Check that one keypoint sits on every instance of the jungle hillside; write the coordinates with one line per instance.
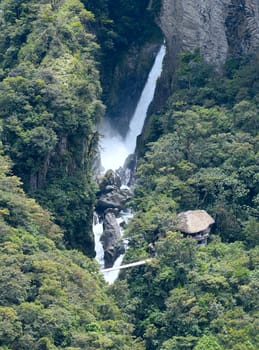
(198, 150)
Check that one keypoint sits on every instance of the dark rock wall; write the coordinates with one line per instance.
(126, 82)
(219, 28)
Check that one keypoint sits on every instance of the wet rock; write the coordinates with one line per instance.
(126, 173)
(115, 199)
(111, 239)
(111, 195)
(111, 199)
(111, 178)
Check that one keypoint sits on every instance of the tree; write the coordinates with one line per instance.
(208, 342)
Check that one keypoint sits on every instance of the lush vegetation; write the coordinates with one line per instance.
(123, 22)
(50, 298)
(207, 153)
(201, 152)
(204, 155)
(49, 96)
(193, 297)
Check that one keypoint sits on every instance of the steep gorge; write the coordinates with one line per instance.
(205, 155)
(49, 49)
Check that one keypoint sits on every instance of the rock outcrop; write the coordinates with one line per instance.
(111, 239)
(112, 198)
(217, 27)
(111, 195)
(115, 199)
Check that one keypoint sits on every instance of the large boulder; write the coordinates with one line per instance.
(111, 178)
(115, 199)
(111, 195)
(111, 239)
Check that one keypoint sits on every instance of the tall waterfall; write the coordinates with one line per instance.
(114, 149)
(138, 119)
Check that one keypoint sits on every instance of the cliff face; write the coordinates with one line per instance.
(218, 27)
(126, 81)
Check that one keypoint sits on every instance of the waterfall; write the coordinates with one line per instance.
(138, 119)
(114, 150)
(98, 230)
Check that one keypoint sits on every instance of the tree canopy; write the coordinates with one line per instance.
(203, 155)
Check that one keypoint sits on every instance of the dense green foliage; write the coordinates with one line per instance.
(123, 22)
(50, 298)
(204, 155)
(207, 153)
(49, 96)
(201, 152)
(189, 295)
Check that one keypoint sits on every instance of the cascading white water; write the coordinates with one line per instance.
(98, 230)
(109, 276)
(114, 149)
(138, 119)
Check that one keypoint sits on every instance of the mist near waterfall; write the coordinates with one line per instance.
(114, 149)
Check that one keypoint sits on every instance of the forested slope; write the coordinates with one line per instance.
(50, 298)
(199, 152)
(50, 105)
(203, 155)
